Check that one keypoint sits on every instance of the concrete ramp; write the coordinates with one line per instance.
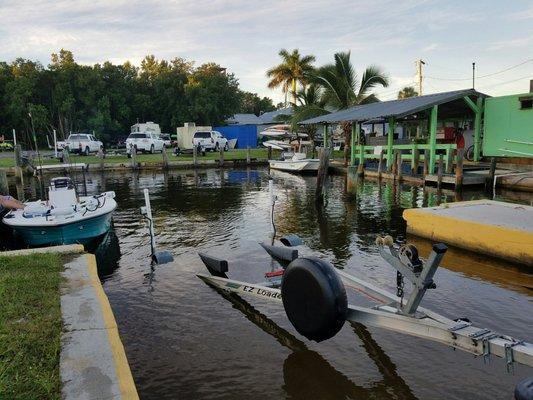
(498, 229)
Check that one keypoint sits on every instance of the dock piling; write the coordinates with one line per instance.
(490, 179)
(426, 163)
(4, 188)
(449, 161)
(269, 157)
(399, 166)
(248, 158)
(323, 156)
(394, 164)
(165, 157)
(221, 156)
(440, 169)
(459, 170)
(416, 161)
(380, 165)
(195, 156)
(134, 158)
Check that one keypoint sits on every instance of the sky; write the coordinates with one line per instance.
(245, 36)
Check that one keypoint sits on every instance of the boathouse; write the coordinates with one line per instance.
(415, 127)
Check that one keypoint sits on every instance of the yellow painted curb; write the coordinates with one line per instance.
(64, 249)
(122, 367)
(497, 241)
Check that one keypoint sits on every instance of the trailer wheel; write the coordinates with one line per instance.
(314, 298)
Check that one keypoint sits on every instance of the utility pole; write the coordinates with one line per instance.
(473, 75)
(419, 64)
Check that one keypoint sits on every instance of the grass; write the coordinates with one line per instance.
(260, 153)
(30, 327)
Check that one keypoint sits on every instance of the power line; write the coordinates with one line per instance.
(482, 76)
(506, 82)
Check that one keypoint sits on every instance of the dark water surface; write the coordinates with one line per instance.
(185, 340)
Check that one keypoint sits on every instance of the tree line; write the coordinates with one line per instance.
(108, 98)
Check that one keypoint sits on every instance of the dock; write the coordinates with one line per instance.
(497, 229)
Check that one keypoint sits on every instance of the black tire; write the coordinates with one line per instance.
(217, 147)
(152, 149)
(314, 298)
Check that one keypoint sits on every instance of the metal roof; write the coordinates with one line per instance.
(244, 119)
(270, 117)
(393, 108)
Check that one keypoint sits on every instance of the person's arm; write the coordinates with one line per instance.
(11, 203)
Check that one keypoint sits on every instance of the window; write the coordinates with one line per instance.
(202, 135)
(137, 136)
(526, 103)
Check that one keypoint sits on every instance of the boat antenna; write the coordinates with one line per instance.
(43, 194)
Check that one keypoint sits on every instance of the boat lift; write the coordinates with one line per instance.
(313, 294)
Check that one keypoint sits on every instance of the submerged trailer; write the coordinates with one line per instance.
(313, 294)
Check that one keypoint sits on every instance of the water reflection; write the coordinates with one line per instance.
(308, 375)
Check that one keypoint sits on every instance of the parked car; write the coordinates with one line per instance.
(165, 137)
(144, 142)
(83, 143)
(210, 140)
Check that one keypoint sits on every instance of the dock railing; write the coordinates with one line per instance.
(415, 153)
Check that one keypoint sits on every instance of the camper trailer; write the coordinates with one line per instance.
(185, 135)
(146, 127)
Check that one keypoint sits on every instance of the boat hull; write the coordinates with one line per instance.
(299, 166)
(76, 232)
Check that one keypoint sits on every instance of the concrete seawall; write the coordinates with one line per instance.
(93, 362)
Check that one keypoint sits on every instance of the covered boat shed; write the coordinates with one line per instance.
(447, 106)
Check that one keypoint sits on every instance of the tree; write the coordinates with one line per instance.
(293, 69)
(343, 90)
(406, 92)
(251, 103)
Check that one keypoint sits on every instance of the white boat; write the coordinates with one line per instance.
(65, 218)
(297, 163)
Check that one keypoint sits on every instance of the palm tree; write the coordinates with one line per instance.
(343, 90)
(293, 69)
(406, 92)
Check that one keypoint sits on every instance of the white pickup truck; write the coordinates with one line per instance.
(82, 143)
(210, 140)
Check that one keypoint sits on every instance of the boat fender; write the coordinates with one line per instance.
(280, 253)
(162, 257)
(215, 266)
(314, 298)
(291, 240)
(524, 390)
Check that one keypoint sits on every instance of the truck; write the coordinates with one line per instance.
(185, 136)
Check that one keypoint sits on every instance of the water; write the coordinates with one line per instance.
(185, 340)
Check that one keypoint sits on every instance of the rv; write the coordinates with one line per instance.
(146, 127)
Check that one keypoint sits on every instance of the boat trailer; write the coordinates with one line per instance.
(313, 294)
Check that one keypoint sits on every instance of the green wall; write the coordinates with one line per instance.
(506, 125)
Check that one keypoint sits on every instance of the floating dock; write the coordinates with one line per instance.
(498, 229)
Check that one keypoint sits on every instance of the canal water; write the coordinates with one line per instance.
(185, 340)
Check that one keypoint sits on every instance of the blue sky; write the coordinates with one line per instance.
(245, 36)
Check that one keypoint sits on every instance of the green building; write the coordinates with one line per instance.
(508, 126)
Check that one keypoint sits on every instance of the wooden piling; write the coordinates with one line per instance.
(165, 158)
(133, 158)
(489, 182)
(459, 169)
(416, 161)
(394, 164)
(426, 163)
(248, 158)
(4, 187)
(449, 161)
(380, 165)
(351, 179)
(18, 161)
(440, 170)
(221, 156)
(399, 166)
(195, 156)
(269, 153)
(323, 156)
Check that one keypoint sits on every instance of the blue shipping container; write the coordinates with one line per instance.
(246, 135)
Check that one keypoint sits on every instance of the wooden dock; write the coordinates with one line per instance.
(498, 229)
